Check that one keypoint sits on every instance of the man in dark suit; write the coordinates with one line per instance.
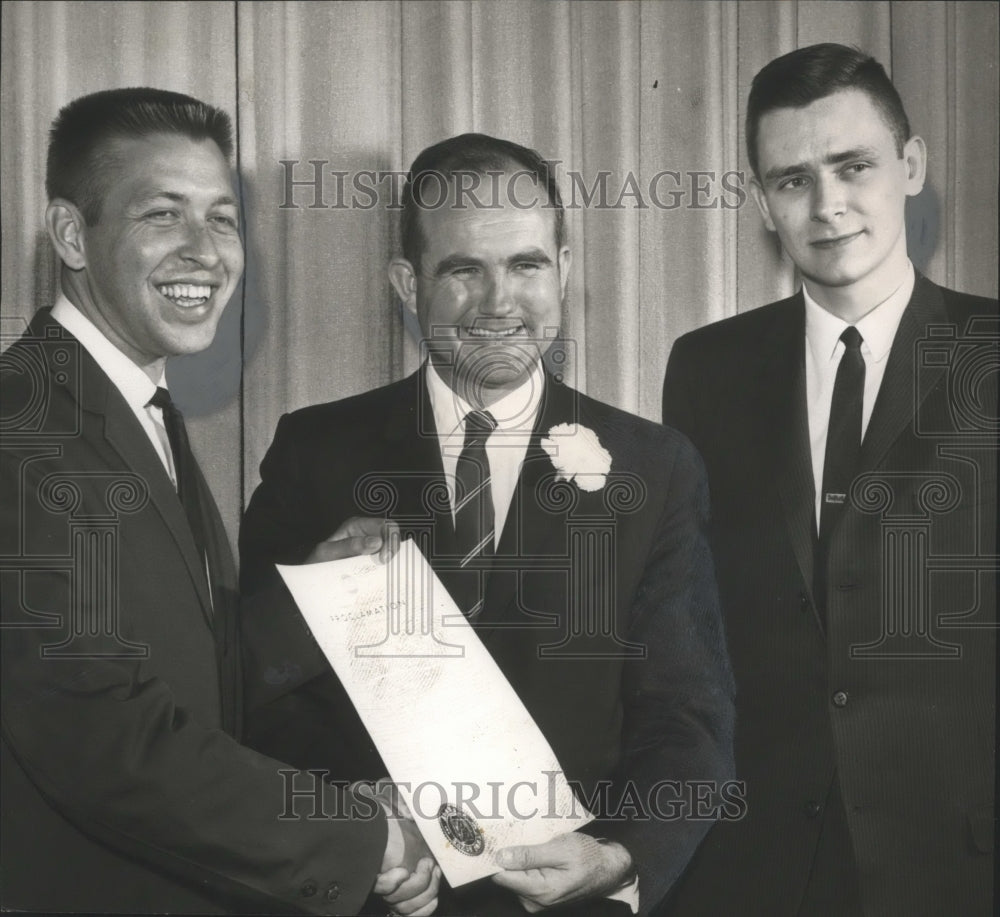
(124, 787)
(850, 437)
(570, 533)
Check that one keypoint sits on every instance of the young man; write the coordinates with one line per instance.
(125, 789)
(849, 435)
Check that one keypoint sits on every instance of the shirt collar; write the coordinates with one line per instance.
(877, 328)
(515, 412)
(136, 387)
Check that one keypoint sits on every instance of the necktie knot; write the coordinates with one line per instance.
(478, 426)
(161, 399)
(852, 338)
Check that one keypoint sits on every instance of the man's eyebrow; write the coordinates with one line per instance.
(455, 260)
(778, 172)
(531, 254)
(222, 200)
(833, 159)
(860, 152)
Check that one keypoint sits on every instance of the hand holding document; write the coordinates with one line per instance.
(470, 762)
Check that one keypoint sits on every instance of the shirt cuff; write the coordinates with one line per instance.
(629, 893)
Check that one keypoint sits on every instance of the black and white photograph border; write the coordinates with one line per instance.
(639, 105)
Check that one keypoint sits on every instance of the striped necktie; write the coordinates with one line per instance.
(474, 521)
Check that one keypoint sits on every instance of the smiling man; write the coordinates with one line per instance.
(571, 533)
(850, 437)
(125, 789)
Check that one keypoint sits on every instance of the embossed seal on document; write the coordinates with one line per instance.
(461, 830)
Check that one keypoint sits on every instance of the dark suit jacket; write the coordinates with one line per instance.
(124, 789)
(898, 693)
(634, 553)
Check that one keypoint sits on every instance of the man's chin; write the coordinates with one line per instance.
(191, 340)
(835, 278)
(486, 373)
(485, 388)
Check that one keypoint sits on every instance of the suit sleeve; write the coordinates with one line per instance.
(279, 653)
(678, 398)
(678, 702)
(279, 525)
(105, 742)
(295, 706)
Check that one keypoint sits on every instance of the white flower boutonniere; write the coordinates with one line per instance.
(578, 455)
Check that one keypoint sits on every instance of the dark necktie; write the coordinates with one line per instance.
(474, 522)
(843, 446)
(184, 466)
(843, 434)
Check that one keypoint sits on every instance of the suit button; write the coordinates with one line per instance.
(308, 889)
(332, 892)
(840, 699)
(812, 808)
(803, 602)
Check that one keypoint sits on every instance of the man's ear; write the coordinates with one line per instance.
(66, 228)
(404, 280)
(565, 260)
(760, 199)
(915, 160)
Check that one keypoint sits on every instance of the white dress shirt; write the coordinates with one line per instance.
(823, 352)
(136, 387)
(507, 445)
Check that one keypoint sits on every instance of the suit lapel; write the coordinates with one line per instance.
(893, 411)
(788, 430)
(896, 402)
(532, 531)
(122, 432)
(414, 471)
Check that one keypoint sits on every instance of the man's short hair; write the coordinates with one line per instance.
(476, 154)
(801, 77)
(80, 159)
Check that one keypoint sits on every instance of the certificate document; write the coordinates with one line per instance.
(469, 761)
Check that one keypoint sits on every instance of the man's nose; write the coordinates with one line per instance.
(499, 298)
(199, 244)
(828, 199)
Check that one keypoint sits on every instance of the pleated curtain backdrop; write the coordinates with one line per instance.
(640, 102)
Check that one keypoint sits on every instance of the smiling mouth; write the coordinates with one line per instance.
(483, 333)
(837, 241)
(186, 295)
